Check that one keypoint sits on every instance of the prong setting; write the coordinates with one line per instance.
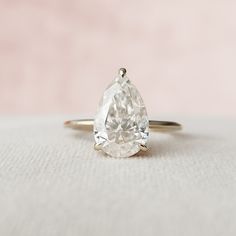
(122, 72)
(97, 147)
(143, 148)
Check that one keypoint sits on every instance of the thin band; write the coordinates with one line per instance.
(160, 126)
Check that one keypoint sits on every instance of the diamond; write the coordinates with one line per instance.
(121, 124)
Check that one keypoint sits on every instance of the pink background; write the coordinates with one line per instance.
(58, 56)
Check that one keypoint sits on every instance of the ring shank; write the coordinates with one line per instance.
(159, 126)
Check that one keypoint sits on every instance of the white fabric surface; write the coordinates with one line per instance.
(52, 182)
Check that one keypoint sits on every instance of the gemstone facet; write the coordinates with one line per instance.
(121, 124)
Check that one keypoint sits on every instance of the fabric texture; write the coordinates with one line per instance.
(52, 182)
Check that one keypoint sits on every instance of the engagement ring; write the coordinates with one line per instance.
(121, 126)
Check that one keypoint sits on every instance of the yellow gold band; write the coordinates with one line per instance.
(159, 126)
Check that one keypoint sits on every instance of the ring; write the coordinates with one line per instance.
(121, 126)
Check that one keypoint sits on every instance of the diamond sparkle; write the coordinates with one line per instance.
(121, 124)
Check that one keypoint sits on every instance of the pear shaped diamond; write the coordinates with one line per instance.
(121, 124)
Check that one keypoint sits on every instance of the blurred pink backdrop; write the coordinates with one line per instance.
(58, 56)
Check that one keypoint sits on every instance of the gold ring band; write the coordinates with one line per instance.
(155, 125)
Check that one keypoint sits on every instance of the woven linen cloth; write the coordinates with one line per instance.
(52, 182)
